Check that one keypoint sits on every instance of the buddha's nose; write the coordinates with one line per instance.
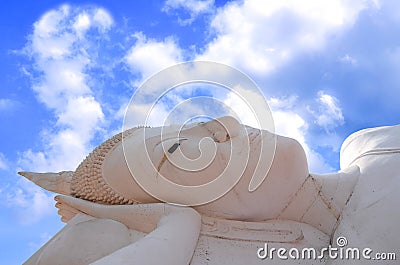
(224, 128)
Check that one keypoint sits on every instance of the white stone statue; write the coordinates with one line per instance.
(112, 220)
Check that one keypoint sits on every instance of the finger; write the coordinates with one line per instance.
(66, 215)
(74, 202)
(61, 205)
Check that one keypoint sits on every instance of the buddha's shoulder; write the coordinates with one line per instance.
(371, 141)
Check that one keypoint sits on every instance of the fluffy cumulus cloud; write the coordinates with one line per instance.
(287, 122)
(291, 124)
(61, 49)
(330, 114)
(249, 107)
(28, 202)
(260, 36)
(148, 56)
(193, 7)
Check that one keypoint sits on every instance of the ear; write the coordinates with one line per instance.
(56, 182)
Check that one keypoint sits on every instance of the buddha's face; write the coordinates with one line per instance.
(190, 158)
(187, 157)
(195, 154)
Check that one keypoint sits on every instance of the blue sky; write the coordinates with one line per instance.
(327, 69)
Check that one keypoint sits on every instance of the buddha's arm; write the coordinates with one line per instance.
(173, 230)
(172, 242)
(142, 217)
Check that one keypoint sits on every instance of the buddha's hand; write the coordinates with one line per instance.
(66, 209)
(142, 217)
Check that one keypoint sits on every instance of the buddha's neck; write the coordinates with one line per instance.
(321, 199)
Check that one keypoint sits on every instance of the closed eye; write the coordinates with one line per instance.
(173, 148)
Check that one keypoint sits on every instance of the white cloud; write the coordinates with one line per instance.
(259, 36)
(286, 103)
(29, 202)
(287, 123)
(330, 114)
(7, 104)
(149, 56)
(58, 31)
(193, 7)
(81, 114)
(145, 114)
(50, 21)
(177, 106)
(82, 23)
(290, 124)
(3, 162)
(348, 59)
(61, 49)
(249, 107)
(102, 19)
(255, 35)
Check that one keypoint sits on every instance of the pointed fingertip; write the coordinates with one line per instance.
(25, 174)
(21, 173)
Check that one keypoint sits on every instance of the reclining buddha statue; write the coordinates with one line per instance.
(113, 218)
